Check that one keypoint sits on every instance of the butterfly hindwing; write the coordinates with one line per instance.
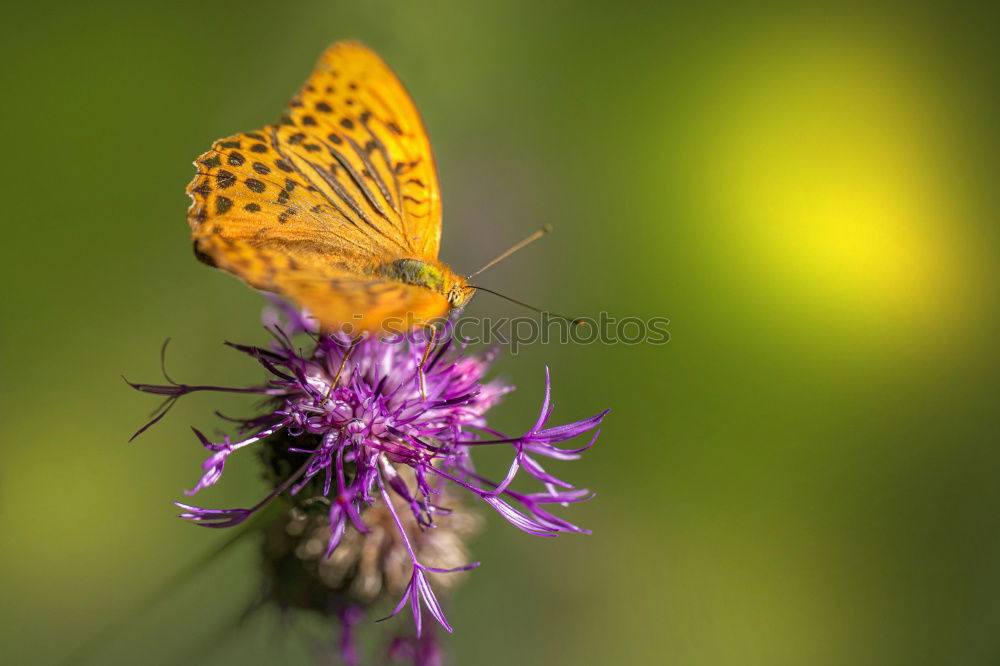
(334, 294)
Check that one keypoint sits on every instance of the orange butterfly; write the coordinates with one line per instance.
(336, 206)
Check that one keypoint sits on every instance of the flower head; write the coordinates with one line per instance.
(351, 434)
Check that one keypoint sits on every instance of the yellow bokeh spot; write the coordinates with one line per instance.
(827, 166)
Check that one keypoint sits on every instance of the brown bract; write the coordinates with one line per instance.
(364, 568)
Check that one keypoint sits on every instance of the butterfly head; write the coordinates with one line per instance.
(459, 292)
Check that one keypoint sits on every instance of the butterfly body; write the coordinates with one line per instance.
(434, 276)
(336, 206)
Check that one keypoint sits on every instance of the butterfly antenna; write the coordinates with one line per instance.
(576, 321)
(527, 241)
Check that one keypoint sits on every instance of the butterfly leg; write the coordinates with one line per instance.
(343, 363)
(423, 362)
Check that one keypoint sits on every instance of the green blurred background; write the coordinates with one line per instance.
(805, 474)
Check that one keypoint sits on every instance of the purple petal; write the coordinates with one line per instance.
(424, 588)
(214, 517)
(518, 519)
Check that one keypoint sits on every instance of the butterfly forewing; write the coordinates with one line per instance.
(355, 134)
(312, 206)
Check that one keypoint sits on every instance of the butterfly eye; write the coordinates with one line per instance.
(457, 296)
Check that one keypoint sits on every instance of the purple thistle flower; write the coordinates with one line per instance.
(370, 438)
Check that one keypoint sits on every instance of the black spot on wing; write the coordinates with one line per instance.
(224, 178)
